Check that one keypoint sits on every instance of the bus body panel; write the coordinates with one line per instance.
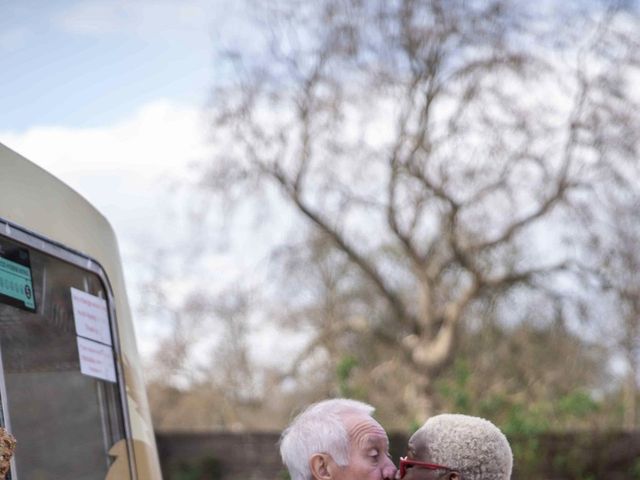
(36, 201)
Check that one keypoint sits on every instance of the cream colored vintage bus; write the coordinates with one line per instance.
(70, 376)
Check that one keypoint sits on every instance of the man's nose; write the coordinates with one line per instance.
(389, 470)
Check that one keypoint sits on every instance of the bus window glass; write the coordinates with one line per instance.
(65, 421)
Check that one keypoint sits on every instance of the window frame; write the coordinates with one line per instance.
(61, 252)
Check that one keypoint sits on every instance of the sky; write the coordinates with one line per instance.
(93, 63)
(110, 97)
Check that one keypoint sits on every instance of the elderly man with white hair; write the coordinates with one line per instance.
(336, 439)
(457, 447)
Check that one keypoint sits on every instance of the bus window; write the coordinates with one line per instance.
(65, 421)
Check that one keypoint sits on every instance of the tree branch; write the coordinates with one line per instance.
(507, 281)
(365, 266)
(515, 227)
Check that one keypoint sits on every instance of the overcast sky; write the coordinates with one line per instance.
(109, 96)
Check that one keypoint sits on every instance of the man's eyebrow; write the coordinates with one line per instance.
(375, 440)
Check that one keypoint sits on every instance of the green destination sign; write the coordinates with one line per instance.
(15, 283)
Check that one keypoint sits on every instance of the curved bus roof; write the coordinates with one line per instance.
(36, 202)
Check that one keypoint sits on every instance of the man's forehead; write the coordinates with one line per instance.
(418, 442)
(419, 436)
(365, 430)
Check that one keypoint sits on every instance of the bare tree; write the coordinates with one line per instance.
(615, 266)
(612, 257)
(436, 146)
(625, 278)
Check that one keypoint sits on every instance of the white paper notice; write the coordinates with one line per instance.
(96, 360)
(91, 317)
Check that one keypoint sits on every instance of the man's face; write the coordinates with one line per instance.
(418, 449)
(369, 451)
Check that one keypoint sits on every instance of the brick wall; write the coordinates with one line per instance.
(247, 456)
(255, 456)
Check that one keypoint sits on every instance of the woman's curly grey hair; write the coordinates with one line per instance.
(472, 445)
(319, 429)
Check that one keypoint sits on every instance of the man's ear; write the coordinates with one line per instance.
(319, 464)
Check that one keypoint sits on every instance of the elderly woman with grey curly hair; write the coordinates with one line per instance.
(457, 447)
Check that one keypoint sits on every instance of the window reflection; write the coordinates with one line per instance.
(65, 422)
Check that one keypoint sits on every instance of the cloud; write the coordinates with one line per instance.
(160, 136)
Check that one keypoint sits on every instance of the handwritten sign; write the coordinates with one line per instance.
(91, 317)
(96, 360)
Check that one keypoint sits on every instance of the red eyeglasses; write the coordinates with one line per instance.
(406, 463)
